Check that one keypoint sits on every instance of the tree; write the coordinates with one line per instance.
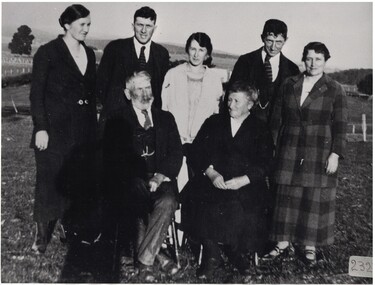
(22, 40)
(365, 85)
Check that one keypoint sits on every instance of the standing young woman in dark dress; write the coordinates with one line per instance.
(64, 115)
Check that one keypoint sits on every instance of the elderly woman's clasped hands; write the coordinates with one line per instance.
(218, 180)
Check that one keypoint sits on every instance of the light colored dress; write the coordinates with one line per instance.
(190, 99)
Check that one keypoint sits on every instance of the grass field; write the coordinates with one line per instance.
(20, 95)
(90, 264)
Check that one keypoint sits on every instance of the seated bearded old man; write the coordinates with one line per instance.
(142, 147)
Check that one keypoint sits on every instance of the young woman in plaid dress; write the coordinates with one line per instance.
(309, 127)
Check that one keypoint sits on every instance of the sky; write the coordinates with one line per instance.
(345, 27)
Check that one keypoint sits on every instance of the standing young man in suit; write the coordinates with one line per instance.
(266, 68)
(124, 56)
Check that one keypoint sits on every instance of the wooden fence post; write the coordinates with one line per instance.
(14, 104)
(364, 127)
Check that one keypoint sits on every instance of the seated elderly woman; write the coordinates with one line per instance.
(231, 155)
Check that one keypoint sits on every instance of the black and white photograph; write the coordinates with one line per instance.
(187, 142)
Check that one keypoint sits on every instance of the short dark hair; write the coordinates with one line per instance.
(145, 12)
(72, 13)
(204, 41)
(318, 47)
(276, 27)
(249, 90)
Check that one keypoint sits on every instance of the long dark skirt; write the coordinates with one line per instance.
(304, 215)
(235, 218)
(51, 199)
(65, 188)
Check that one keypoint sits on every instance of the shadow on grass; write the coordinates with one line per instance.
(105, 261)
(90, 264)
(9, 111)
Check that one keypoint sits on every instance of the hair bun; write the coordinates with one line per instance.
(61, 23)
(72, 13)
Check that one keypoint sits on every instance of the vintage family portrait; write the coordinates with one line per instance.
(187, 142)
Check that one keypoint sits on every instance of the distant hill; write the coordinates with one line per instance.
(350, 76)
(177, 52)
(221, 59)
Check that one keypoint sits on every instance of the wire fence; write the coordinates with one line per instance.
(13, 65)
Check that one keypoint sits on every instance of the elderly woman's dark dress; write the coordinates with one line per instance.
(232, 217)
(63, 104)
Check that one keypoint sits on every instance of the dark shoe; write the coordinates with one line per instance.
(280, 252)
(207, 269)
(310, 256)
(41, 238)
(243, 265)
(146, 273)
(167, 264)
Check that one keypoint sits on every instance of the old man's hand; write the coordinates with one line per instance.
(155, 181)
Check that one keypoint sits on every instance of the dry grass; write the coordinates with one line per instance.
(84, 264)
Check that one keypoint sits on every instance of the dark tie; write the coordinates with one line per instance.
(147, 124)
(268, 68)
(142, 58)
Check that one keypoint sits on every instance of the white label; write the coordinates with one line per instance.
(360, 266)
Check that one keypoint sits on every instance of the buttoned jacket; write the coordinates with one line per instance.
(306, 135)
(62, 98)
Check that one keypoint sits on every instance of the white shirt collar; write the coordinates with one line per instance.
(141, 117)
(275, 58)
(236, 124)
(138, 47)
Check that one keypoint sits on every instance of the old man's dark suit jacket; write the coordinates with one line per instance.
(118, 62)
(120, 154)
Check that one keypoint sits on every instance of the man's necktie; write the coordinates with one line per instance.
(268, 68)
(142, 58)
(147, 124)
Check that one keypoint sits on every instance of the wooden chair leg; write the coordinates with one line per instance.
(175, 244)
(256, 259)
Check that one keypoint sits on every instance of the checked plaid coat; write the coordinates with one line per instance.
(306, 135)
